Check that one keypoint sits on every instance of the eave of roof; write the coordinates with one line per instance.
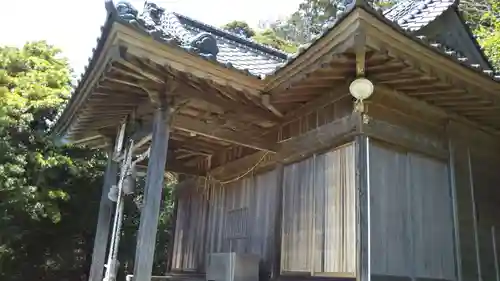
(66, 114)
(113, 16)
(436, 46)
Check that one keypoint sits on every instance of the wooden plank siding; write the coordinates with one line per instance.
(486, 180)
(319, 218)
(411, 215)
(237, 217)
(477, 197)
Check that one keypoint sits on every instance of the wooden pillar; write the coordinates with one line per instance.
(453, 194)
(474, 215)
(103, 222)
(363, 207)
(152, 196)
(278, 224)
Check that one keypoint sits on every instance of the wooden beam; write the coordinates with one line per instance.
(360, 49)
(198, 127)
(148, 227)
(295, 148)
(429, 109)
(103, 222)
(192, 125)
(177, 168)
(403, 137)
(383, 36)
(144, 46)
(210, 95)
(336, 41)
(338, 92)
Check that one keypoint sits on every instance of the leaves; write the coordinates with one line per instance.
(268, 37)
(313, 17)
(49, 195)
(488, 32)
(37, 179)
(240, 28)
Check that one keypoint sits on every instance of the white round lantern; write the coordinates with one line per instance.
(361, 88)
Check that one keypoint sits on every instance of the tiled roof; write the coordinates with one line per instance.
(415, 14)
(253, 58)
(210, 42)
(242, 53)
(436, 46)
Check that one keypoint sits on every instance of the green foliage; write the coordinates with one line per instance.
(313, 17)
(41, 184)
(49, 195)
(33, 82)
(488, 32)
(269, 37)
(240, 28)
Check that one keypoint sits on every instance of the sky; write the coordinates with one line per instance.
(74, 26)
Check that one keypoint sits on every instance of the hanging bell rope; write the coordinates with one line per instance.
(112, 264)
(125, 186)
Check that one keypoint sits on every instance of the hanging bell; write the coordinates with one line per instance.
(113, 193)
(129, 183)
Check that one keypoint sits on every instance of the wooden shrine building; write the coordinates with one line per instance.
(277, 159)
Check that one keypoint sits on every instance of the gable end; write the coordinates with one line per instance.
(451, 30)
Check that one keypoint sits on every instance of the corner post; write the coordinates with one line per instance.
(454, 205)
(103, 222)
(362, 143)
(278, 224)
(152, 196)
(362, 162)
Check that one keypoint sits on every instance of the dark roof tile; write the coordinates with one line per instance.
(253, 58)
(415, 14)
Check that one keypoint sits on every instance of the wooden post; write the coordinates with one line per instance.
(454, 202)
(152, 196)
(363, 207)
(103, 222)
(278, 223)
(474, 215)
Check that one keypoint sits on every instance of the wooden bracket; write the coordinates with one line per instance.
(360, 49)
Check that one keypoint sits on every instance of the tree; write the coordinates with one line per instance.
(474, 12)
(268, 37)
(240, 28)
(313, 17)
(43, 188)
(49, 195)
(488, 32)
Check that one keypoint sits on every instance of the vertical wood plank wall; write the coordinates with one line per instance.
(191, 225)
(478, 199)
(411, 216)
(319, 214)
(237, 217)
